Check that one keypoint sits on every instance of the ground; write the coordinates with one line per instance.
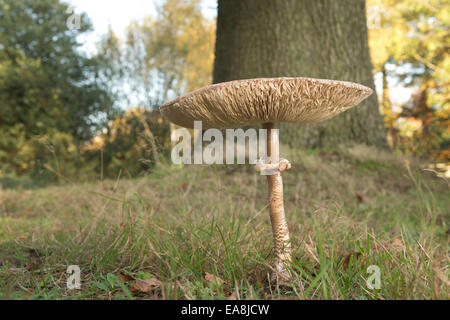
(203, 232)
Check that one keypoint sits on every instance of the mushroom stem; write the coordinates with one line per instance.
(277, 216)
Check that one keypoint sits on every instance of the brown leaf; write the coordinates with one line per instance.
(217, 282)
(397, 244)
(122, 277)
(359, 197)
(355, 255)
(213, 279)
(146, 285)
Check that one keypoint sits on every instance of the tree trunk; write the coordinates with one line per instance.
(302, 38)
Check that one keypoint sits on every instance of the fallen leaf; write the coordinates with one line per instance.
(146, 285)
(122, 277)
(213, 279)
(359, 197)
(397, 244)
(356, 255)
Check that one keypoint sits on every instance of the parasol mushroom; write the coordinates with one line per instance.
(267, 101)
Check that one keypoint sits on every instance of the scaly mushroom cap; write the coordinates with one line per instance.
(254, 101)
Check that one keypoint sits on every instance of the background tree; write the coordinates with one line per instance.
(162, 56)
(135, 142)
(111, 78)
(172, 53)
(47, 87)
(409, 45)
(320, 39)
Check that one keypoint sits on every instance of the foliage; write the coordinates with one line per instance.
(162, 56)
(47, 87)
(132, 144)
(62, 113)
(172, 53)
(409, 45)
(56, 104)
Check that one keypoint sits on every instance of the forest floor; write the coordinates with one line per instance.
(203, 232)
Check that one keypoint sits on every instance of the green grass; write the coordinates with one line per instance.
(346, 210)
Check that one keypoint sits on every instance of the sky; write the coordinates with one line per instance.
(119, 13)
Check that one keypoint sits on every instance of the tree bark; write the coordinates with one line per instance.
(302, 38)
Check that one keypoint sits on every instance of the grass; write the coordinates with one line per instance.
(203, 232)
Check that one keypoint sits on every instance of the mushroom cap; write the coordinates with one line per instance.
(239, 103)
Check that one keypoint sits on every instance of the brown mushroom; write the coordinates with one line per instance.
(267, 101)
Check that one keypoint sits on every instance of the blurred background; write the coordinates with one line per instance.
(81, 82)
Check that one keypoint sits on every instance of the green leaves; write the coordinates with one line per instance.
(412, 39)
(172, 53)
(110, 283)
(47, 87)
